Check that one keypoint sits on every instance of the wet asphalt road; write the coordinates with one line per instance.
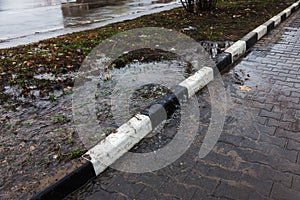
(23, 18)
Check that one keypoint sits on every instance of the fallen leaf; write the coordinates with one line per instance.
(245, 88)
(67, 88)
(107, 77)
(114, 131)
(32, 148)
(28, 63)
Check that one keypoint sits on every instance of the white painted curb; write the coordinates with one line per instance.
(107, 151)
(261, 31)
(197, 81)
(237, 49)
(276, 19)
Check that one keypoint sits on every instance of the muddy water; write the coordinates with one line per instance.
(33, 18)
(37, 133)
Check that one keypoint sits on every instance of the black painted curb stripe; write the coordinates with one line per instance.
(86, 172)
(68, 184)
(270, 24)
(251, 38)
(223, 61)
(168, 103)
(283, 17)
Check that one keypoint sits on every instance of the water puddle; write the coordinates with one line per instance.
(53, 77)
(123, 91)
(12, 90)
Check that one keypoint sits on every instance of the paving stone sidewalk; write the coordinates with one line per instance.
(258, 153)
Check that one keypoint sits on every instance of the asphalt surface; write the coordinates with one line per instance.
(27, 21)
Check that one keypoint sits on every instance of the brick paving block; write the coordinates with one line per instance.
(293, 145)
(296, 183)
(274, 57)
(297, 85)
(282, 124)
(122, 186)
(267, 173)
(296, 55)
(274, 115)
(254, 156)
(273, 123)
(293, 70)
(280, 78)
(176, 172)
(148, 193)
(289, 118)
(293, 61)
(279, 192)
(148, 179)
(288, 134)
(271, 150)
(260, 127)
(268, 61)
(219, 158)
(290, 99)
(287, 75)
(271, 73)
(284, 109)
(284, 83)
(282, 64)
(232, 139)
(198, 181)
(241, 132)
(262, 186)
(284, 90)
(278, 52)
(265, 106)
(236, 189)
(119, 197)
(261, 120)
(291, 105)
(270, 139)
(187, 162)
(202, 195)
(295, 94)
(297, 115)
(179, 190)
(204, 168)
(101, 194)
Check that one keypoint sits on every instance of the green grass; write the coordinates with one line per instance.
(58, 119)
(76, 153)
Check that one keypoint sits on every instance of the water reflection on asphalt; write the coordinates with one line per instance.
(19, 18)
